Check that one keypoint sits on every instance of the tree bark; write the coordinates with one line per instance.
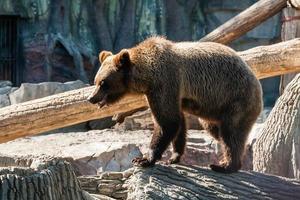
(277, 149)
(70, 108)
(57, 111)
(189, 182)
(245, 21)
(274, 60)
(52, 181)
(290, 29)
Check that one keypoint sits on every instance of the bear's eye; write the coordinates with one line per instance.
(104, 85)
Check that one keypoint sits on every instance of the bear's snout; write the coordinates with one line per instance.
(92, 99)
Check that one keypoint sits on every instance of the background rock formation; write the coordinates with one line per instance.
(61, 39)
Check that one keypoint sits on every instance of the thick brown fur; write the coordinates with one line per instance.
(202, 78)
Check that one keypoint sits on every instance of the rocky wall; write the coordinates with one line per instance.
(61, 38)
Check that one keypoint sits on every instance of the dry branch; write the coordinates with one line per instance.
(245, 21)
(71, 107)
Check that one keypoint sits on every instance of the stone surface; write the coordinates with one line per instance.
(139, 121)
(30, 91)
(100, 124)
(4, 100)
(93, 152)
(5, 83)
(85, 32)
(108, 184)
(5, 90)
(143, 120)
(89, 152)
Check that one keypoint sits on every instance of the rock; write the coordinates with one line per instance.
(264, 115)
(139, 121)
(89, 152)
(94, 152)
(5, 83)
(143, 121)
(113, 165)
(100, 124)
(30, 91)
(5, 90)
(108, 184)
(4, 100)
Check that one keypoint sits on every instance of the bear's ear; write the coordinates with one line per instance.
(103, 55)
(122, 59)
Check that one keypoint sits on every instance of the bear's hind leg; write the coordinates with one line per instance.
(179, 142)
(212, 128)
(234, 141)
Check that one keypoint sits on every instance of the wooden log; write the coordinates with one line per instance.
(193, 182)
(189, 182)
(57, 111)
(290, 30)
(274, 60)
(277, 149)
(70, 108)
(245, 21)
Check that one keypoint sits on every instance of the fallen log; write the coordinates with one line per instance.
(245, 21)
(190, 182)
(274, 60)
(71, 107)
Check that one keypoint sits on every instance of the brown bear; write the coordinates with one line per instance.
(205, 79)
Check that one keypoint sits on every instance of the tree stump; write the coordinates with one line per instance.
(55, 180)
(277, 149)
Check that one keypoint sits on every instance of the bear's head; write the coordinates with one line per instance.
(111, 78)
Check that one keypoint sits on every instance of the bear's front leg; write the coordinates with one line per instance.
(167, 120)
(161, 138)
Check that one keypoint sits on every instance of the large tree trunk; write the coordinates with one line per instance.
(52, 181)
(245, 21)
(277, 149)
(70, 108)
(290, 29)
(190, 182)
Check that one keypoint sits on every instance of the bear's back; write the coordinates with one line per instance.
(212, 68)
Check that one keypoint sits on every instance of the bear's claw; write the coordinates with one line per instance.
(223, 169)
(142, 162)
